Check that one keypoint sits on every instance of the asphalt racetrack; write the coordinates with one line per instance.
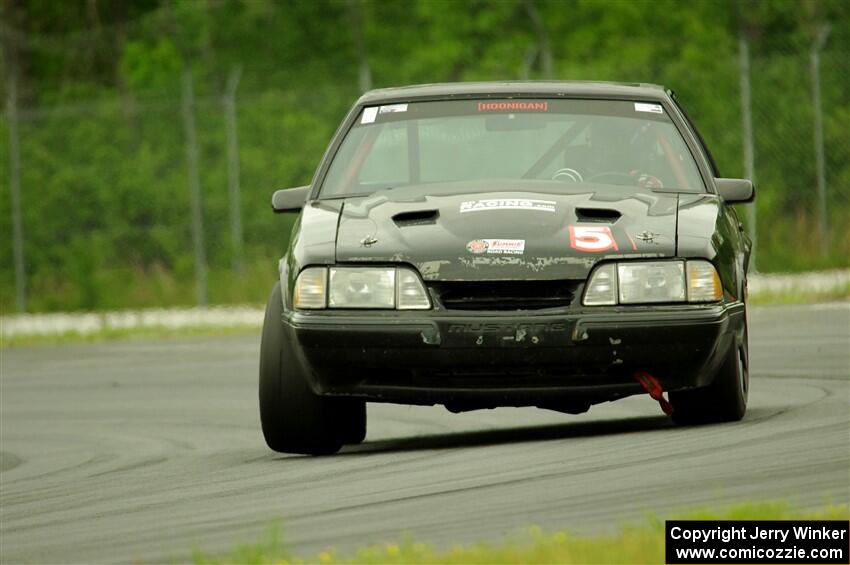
(144, 451)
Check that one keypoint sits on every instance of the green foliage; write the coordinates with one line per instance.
(103, 152)
(151, 64)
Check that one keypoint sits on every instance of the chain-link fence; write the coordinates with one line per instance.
(162, 199)
(801, 117)
(157, 201)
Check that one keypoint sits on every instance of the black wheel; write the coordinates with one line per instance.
(294, 419)
(725, 399)
(354, 431)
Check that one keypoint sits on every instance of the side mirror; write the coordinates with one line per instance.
(289, 199)
(736, 191)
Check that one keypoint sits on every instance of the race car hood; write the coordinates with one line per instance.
(508, 232)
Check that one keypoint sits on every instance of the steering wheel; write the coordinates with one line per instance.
(568, 174)
(613, 175)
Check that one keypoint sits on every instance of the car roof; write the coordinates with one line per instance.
(502, 89)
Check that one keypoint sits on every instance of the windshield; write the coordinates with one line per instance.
(589, 143)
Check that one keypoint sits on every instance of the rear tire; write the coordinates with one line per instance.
(725, 399)
(293, 418)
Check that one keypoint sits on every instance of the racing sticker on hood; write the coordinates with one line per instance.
(592, 239)
(496, 246)
(507, 204)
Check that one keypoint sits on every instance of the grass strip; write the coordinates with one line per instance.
(801, 296)
(642, 542)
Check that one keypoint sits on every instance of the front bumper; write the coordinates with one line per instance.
(510, 359)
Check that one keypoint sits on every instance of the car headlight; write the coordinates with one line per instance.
(360, 287)
(356, 287)
(658, 281)
(647, 282)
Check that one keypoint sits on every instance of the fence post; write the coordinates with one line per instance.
(814, 66)
(233, 168)
(187, 109)
(544, 47)
(355, 14)
(15, 186)
(747, 119)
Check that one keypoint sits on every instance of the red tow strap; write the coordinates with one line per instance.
(651, 385)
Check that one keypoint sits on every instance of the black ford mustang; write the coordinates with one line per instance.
(475, 245)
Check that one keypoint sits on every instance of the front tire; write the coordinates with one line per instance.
(725, 399)
(354, 431)
(293, 418)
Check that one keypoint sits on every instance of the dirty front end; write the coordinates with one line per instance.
(564, 359)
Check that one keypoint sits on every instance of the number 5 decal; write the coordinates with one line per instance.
(592, 238)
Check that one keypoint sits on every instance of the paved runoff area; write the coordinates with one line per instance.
(145, 450)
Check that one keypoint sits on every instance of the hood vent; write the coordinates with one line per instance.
(416, 217)
(605, 215)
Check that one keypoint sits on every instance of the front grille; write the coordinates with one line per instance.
(505, 295)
